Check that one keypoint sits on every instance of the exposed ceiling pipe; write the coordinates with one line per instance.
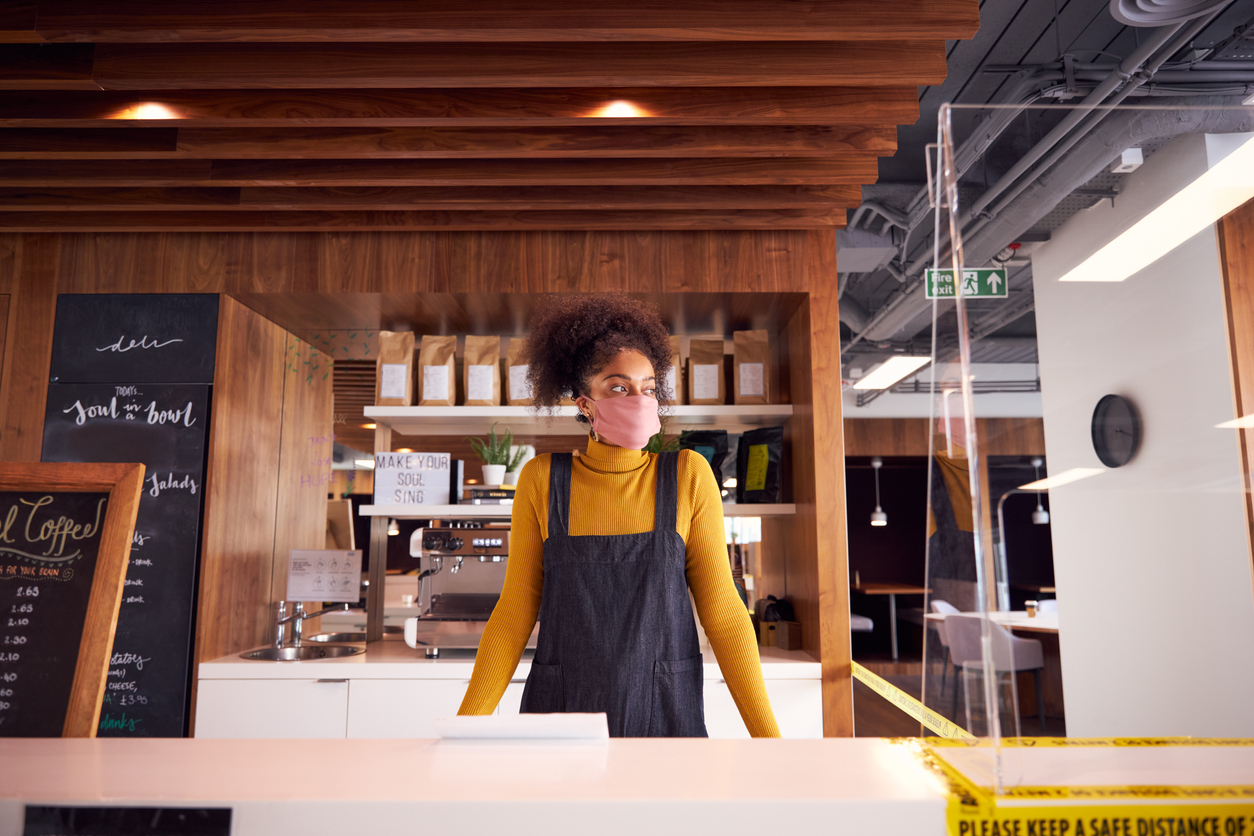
(1155, 41)
(1104, 144)
(909, 310)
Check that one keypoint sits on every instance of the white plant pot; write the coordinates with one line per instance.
(511, 477)
(493, 475)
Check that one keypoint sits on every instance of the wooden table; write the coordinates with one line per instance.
(892, 590)
(1043, 622)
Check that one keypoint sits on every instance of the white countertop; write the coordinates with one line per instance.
(393, 659)
(517, 788)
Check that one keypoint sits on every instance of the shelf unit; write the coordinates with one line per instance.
(502, 512)
(523, 420)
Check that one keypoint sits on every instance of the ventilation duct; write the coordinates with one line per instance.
(1161, 12)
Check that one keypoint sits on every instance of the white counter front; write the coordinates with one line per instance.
(687, 787)
(394, 691)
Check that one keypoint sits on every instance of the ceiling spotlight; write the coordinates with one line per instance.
(393, 528)
(878, 517)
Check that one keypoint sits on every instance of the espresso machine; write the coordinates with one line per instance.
(461, 569)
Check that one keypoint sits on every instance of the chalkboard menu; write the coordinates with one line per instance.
(165, 427)
(117, 413)
(47, 562)
(135, 338)
(63, 556)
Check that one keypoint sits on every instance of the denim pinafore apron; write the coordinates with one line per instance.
(616, 626)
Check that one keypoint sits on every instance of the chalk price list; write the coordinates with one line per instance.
(14, 636)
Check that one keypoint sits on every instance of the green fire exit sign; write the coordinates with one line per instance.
(983, 283)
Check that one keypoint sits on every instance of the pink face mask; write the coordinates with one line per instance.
(629, 421)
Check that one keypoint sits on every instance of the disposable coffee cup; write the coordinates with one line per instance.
(1030, 606)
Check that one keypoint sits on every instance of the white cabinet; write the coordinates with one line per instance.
(398, 708)
(236, 708)
(797, 703)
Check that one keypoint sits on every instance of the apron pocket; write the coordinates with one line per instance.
(678, 706)
(544, 692)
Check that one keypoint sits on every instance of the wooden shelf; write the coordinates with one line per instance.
(523, 421)
(503, 511)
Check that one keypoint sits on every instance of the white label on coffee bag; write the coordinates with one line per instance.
(519, 385)
(478, 382)
(392, 380)
(435, 383)
(751, 379)
(705, 381)
(670, 382)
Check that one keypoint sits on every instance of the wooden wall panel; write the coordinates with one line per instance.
(886, 437)
(240, 503)
(28, 348)
(1236, 244)
(304, 459)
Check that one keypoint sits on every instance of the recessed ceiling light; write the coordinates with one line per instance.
(1219, 190)
(1075, 474)
(369, 426)
(619, 110)
(892, 370)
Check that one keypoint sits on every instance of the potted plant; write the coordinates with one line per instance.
(494, 452)
(520, 454)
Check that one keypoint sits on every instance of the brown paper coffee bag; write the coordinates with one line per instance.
(437, 371)
(752, 358)
(517, 387)
(675, 377)
(394, 371)
(481, 359)
(705, 373)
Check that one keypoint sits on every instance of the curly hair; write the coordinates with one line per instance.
(574, 336)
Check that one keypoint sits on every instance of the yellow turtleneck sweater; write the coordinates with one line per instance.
(612, 492)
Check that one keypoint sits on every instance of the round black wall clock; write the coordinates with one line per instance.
(1116, 430)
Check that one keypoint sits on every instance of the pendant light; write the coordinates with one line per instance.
(1040, 516)
(393, 528)
(878, 517)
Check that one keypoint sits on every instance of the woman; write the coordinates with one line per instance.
(605, 547)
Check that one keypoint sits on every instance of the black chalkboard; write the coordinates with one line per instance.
(166, 428)
(135, 338)
(49, 544)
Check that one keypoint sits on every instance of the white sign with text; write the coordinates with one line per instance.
(411, 479)
(324, 575)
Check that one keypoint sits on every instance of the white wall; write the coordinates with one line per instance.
(1156, 599)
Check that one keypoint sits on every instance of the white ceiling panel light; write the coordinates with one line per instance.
(892, 370)
(368, 464)
(1224, 187)
(1075, 474)
(1245, 422)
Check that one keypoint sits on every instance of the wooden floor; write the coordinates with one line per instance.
(874, 716)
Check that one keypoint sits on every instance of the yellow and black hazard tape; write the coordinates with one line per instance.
(938, 723)
(1093, 810)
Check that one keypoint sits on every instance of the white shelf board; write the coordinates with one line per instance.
(522, 420)
(503, 511)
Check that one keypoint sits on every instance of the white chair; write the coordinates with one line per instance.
(1011, 654)
(944, 608)
(1047, 605)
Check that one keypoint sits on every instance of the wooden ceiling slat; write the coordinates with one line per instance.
(588, 198)
(499, 20)
(460, 107)
(701, 64)
(416, 221)
(446, 143)
(47, 67)
(505, 142)
(577, 172)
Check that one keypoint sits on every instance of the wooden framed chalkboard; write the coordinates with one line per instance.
(65, 540)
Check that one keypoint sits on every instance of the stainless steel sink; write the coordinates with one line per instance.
(389, 630)
(296, 654)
